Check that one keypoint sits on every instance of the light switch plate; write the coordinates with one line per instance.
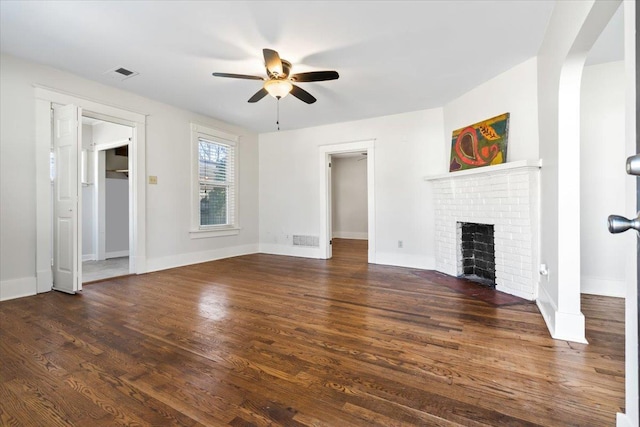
(153, 179)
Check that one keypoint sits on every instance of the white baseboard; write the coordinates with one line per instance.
(603, 287)
(570, 327)
(547, 308)
(515, 292)
(88, 257)
(290, 250)
(624, 420)
(401, 260)
(116, 254)
(350, 235)
(44, 279)
(139, 263)
(561, 326)
(18, 288)
(179, 260)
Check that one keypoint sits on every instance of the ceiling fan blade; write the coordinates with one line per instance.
(258, 95)
(238, 76)
(315, 76)
(302, 95)
(272, 61)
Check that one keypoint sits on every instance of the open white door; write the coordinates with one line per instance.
(67, 256)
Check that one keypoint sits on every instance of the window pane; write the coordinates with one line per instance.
(213, 205)
(216, 189)
(213, 161)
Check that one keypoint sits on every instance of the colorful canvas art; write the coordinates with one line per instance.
(481, 144)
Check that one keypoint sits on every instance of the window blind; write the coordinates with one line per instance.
(216, 177)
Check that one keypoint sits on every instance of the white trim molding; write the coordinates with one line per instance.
(603, 287)
(18, 288)
(117, 254)
(180, 260)
(350, 235)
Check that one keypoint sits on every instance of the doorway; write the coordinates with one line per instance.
(349, 215)
(106, 192)
(45, 99)
(361, 151)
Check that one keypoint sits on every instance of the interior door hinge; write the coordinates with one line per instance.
(329, 164)
(331, 242)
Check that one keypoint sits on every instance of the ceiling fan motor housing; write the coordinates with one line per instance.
(286, 69)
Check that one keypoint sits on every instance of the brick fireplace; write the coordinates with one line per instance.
(505, 197)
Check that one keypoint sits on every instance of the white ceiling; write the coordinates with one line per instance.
(392, 57)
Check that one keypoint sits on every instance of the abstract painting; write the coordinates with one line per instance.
(480, 144)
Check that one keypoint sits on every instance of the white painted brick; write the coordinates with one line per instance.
(521, 185)
(508, 200)
(513, 178)
(524, 200)
(506, 277)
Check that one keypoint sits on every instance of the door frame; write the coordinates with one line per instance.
(44, 98)
(632, 300)
(325, 152)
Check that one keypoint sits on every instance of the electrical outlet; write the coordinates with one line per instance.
(153, 179)
(544, 271)
(400, 244)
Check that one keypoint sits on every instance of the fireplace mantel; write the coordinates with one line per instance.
(488, 170)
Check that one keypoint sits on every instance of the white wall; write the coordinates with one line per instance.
(349, 197)
(168, 154)
(602, 178)
(514, 92)
(572, 30)
(407, 147)
(107, 132)
(116, 217)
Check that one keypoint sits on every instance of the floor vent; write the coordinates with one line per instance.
(311, 241)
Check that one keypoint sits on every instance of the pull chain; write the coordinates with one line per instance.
(278, 109)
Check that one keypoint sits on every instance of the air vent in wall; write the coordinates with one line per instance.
(121, 73)
(311, 241)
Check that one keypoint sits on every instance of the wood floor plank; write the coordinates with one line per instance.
(263, 340)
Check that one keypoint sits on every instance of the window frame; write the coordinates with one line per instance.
(199, 231)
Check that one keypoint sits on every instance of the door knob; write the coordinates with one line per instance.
(619, 224)
(633, 165)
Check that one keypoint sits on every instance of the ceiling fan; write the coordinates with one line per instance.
(279, 82)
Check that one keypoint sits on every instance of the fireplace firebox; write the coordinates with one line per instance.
(477, 260)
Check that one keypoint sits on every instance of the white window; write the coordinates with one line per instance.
(214, 207)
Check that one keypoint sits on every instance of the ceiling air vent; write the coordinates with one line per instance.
(121, 73)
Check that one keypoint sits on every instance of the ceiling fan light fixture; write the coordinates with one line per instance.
(278, 88)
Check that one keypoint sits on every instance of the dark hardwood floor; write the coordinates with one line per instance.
(270, 340)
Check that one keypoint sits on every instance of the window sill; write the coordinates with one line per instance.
(220, 232)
